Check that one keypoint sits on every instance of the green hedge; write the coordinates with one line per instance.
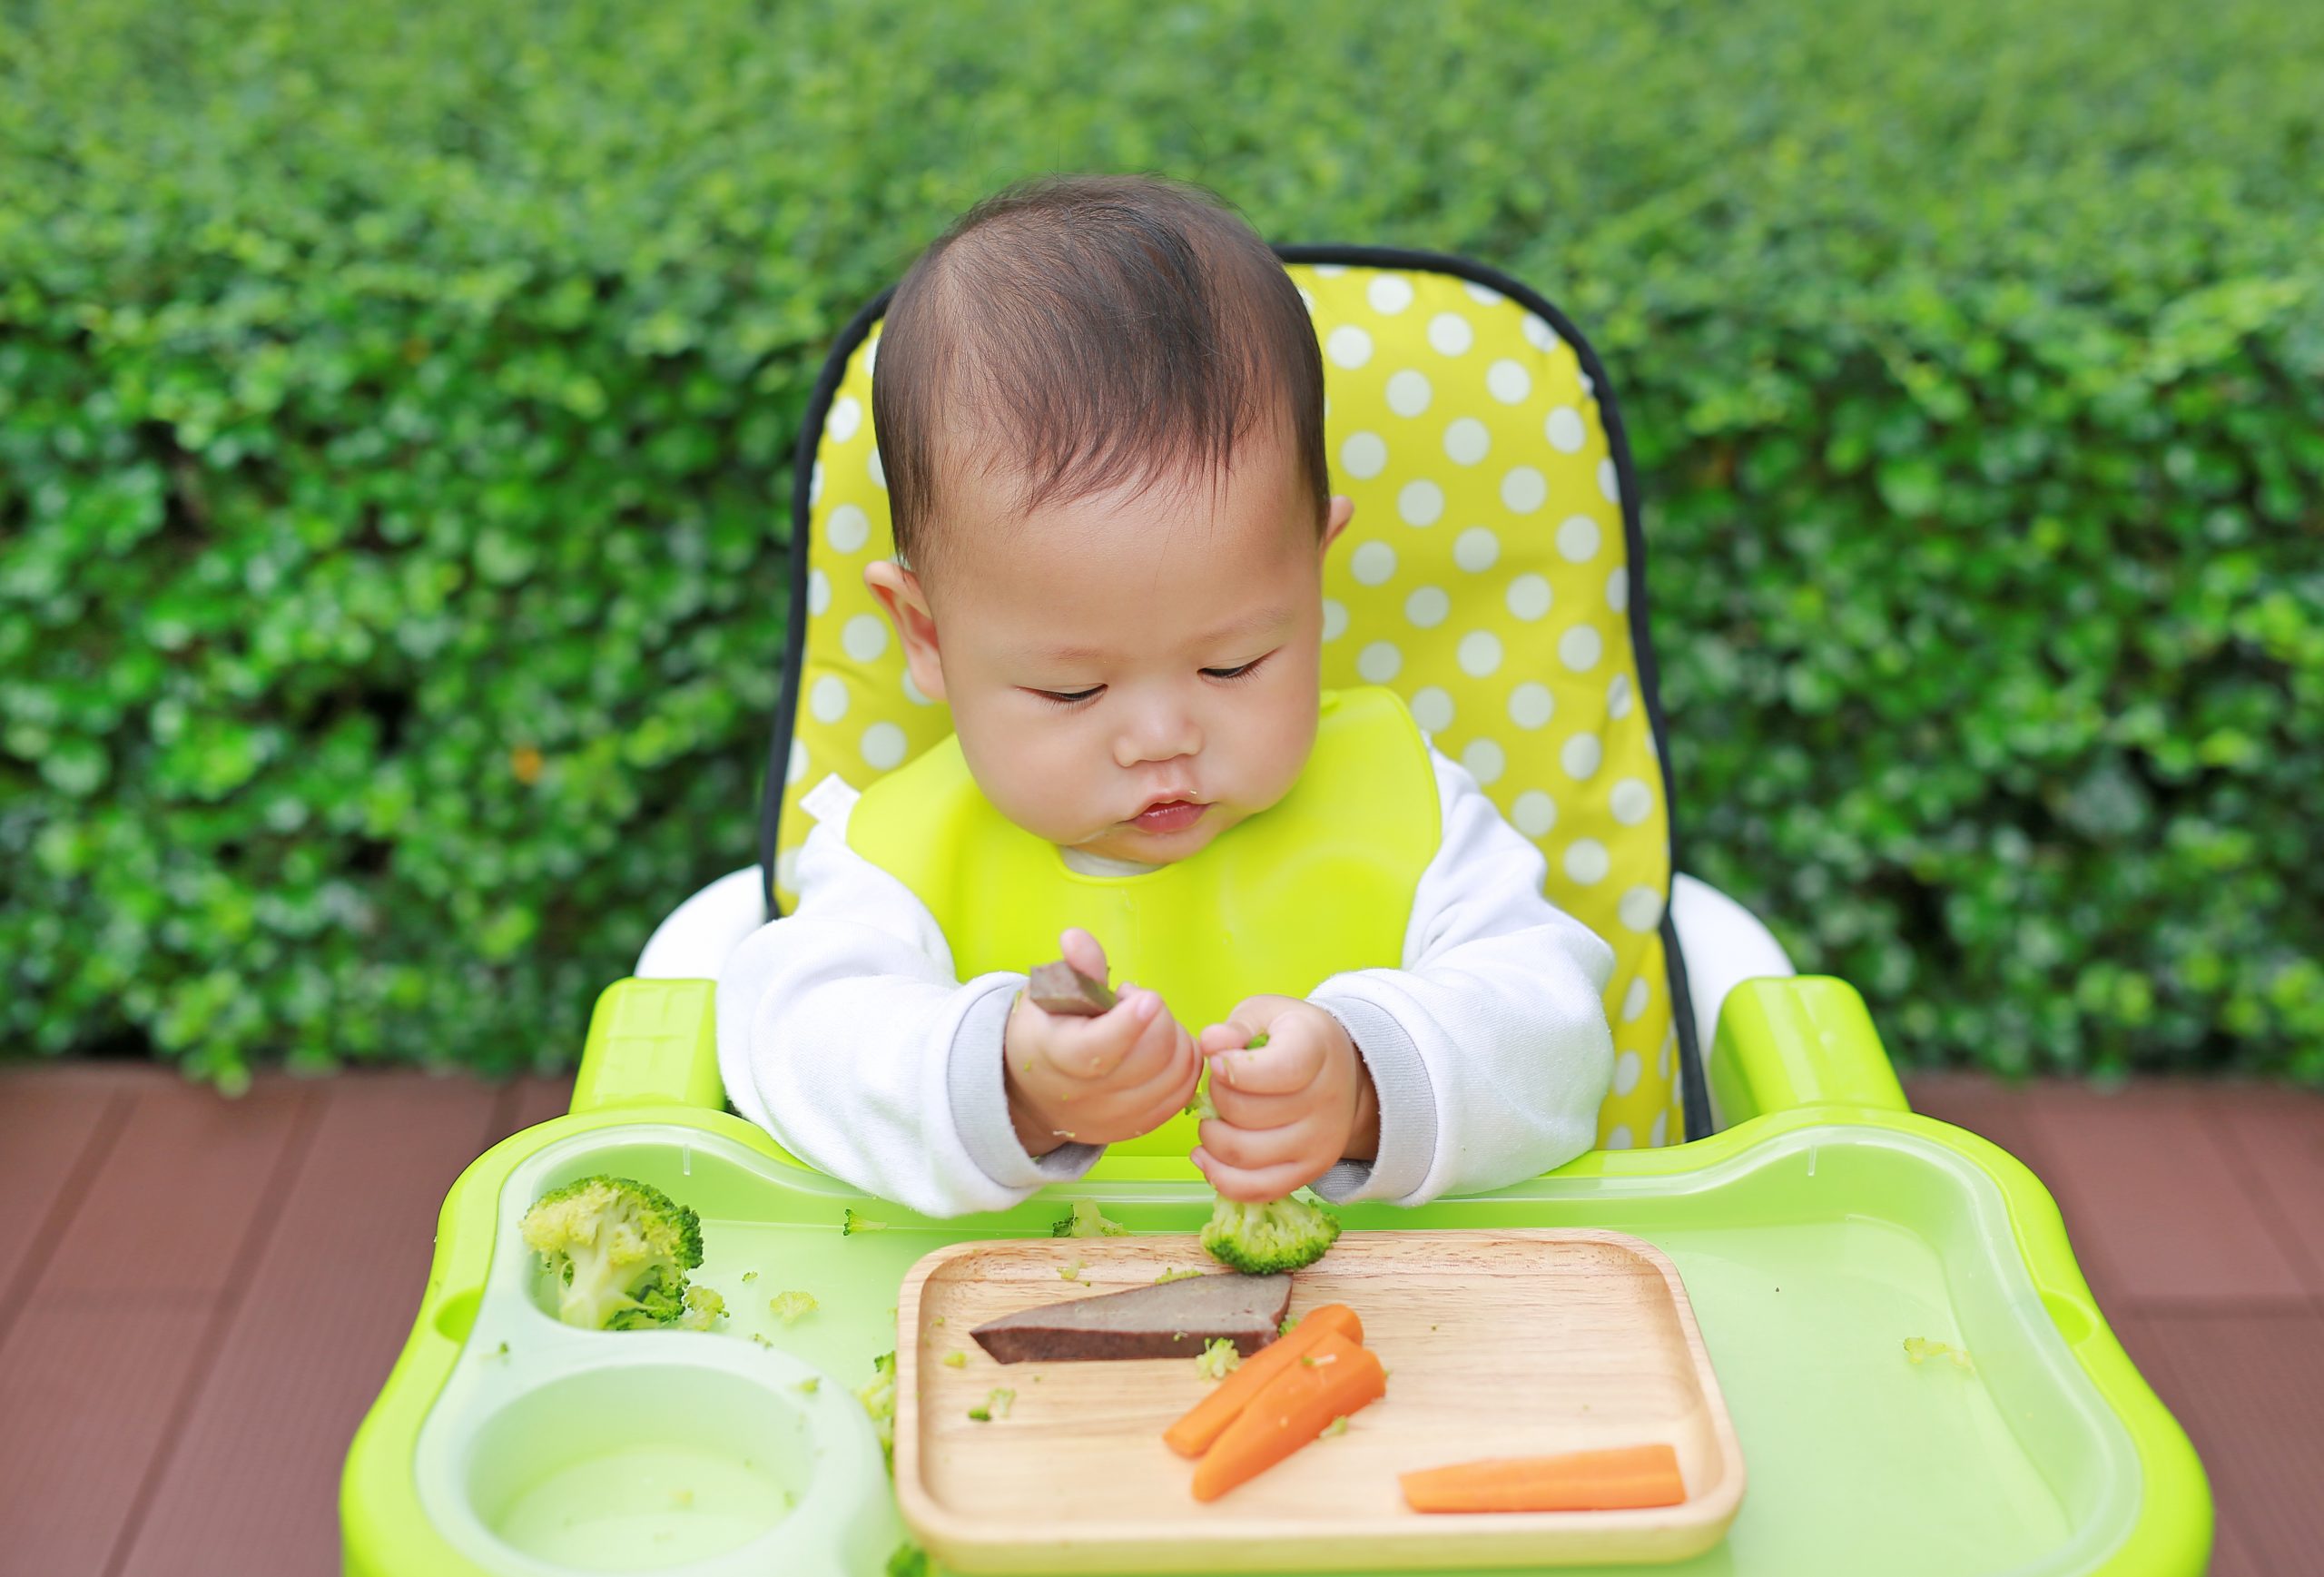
(395, 410)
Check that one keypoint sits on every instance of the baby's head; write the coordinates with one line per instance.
(1100, 414)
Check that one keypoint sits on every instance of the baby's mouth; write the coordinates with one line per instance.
(1168, 816)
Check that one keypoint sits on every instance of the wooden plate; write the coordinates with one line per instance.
(1498, 1343)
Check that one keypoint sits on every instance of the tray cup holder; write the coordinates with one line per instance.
(640, 1466)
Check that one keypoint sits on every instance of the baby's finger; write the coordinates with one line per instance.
(1252, 1150)
(1251, 1187)
(1082, 950)
(1095, 1047)
(1289, 1061)
(1225, 1037)
(1244, 1109)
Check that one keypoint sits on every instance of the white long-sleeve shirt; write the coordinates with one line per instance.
(843, 1031)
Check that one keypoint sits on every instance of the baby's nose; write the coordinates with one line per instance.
(1157, 732)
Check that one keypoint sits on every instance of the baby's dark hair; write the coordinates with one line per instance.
(1099, 331)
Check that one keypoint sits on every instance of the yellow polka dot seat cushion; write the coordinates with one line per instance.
(1494, 576)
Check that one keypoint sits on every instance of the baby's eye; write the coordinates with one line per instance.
(1069, 697)
(1244, 671)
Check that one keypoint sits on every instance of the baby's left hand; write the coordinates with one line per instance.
(1287, 1111)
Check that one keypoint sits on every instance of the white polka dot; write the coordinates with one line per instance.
(1484, 760)
(1619, 1138)
(787, 870)
(1641, 909)
(1420, 503)
(1581, 756)
(1618, 590)
(1409, 393)
(827, 698)
(1632, 801)
(1538, 334)
(1365, 456)
(1432, 709)
(1564, 429)
(1609, 482)
(1529, 597)
(1524, 490)
(848, 529)
(1479, 654)
(870, 354)
(1634, 1000)
(1618, 695)
(1659, 1134)
(1508, 382)
(796, 768)
(878, 472)
(1372, 563)
(1476, 549)
(1379, 663)
(1330, 270)
(815, 484)
(1308, 296)
(1629, 1069)
(1580, 648)
(1484, 295)
(884, 745)
(1348, 346)
(1449, 334)
(865, 637)
(1577, 540)
(1388, 294)
(1427, 606)
(1587, 862)
(914, 693)
(1467, 439)
(847, 415)
(819, 592)
(1534, 812)
(1530, 705)
(1334, 619)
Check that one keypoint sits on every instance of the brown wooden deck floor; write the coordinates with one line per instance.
(199, 1298)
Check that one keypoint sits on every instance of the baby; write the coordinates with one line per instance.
(1100, 408)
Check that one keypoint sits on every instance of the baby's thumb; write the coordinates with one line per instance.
(1081, 949)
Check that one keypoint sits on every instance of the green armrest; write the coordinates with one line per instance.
(652, 1043)
(1795, 1041)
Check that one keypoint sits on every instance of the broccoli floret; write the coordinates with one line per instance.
(878, 1396)
(849, 1224)
(705, 1307)
(1267, 1239)
(619, 1251)
(908, 1560)
(791, 1307)
(1086, 1220)
(996, 1405)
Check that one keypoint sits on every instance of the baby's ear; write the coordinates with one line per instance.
(899, 592)
(1342, 510)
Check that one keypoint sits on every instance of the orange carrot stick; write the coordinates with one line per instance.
(1192, 1435)
(1334, 1380)
(1581, 1480)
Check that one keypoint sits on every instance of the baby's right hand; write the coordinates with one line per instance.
(1095, 1080)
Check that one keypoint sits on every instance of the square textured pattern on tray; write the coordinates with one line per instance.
(1498, 1343)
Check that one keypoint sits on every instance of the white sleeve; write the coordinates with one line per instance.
(842, 1032)
(1490, 1048)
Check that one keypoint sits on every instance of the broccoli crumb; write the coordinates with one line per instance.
(849, 1224)
(956, 1359)
(1285, 1328)
(1174, 1276)
(1085, 1220)
(762, 1341)
(749, 1276)
(980, 1415)
(811, 1385)
(1314, 1361)
(792, 1307)
(683, 1497)
(1919, 1349)
(878, 1396)
(1071, 1272)
(1337, 1426)
(503, 1351)
(1218, 1359)
(1000, 1402)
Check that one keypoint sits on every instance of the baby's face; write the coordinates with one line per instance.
(1129, 676)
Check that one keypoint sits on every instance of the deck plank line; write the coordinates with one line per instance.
(2262, 1199)
(86, 1167)
(266, 1214)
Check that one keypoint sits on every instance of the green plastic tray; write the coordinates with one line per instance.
(1812, 1243)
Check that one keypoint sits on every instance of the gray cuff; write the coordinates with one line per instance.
(1407, 1108)
(973, 1077)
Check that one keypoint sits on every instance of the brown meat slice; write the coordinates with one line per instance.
(1059, 988)
(1171, 1320)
